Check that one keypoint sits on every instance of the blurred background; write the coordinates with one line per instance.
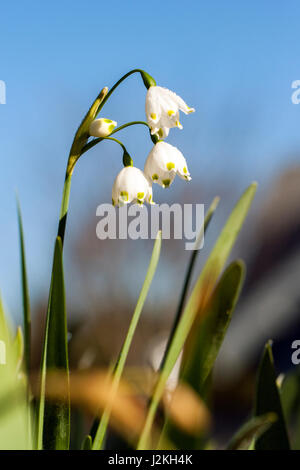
(235, 63)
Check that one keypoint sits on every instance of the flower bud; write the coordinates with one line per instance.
(102, 127)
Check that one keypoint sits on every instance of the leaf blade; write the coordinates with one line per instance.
(268, 400)
(54, 418)
(211, 271)
(25, 293)
(254, 428)
(101, 431)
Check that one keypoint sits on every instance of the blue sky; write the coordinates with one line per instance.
(233, 61)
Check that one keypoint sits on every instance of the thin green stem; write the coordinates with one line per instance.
(116, 86)
(119, 367)
(132, 123)
(96, 141)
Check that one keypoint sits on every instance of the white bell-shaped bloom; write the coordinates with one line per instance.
(102, 127)
(131, 185)
(162, 110)
(164, 162)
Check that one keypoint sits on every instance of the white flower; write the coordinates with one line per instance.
(163, 162)
(162, 110)
(131, 185)
(102, 127)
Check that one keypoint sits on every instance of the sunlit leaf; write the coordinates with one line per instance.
(197, 301)
(100, 434)
(87, 443)
(14, 408)
(54, 418)
(25, 294)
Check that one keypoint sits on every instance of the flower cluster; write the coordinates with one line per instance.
(164, 160)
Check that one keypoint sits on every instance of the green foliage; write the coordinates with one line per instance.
(268, 400)
(15, 416)
(54, 418)
(200, 295)
(199, 329)
(253, 429)
(25, 293)
(204, 342)
(290, 398)
(98, 441)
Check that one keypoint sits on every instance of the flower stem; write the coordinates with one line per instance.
(64, 207)
(94, 142)
(117, 84)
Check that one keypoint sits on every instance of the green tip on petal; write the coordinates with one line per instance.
(166, 183)
(124, 195)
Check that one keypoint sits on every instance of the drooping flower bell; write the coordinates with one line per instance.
(131, 185)
(162, 110)
(102, 127)
(164, 162)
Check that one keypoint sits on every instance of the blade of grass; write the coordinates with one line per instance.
(101, 431)
(188, 275)
(268, 400)
(290, 399)
(25, 294)
(253, 429)
(203, 288)
(54, 418)
(14, 407)
(87, 443)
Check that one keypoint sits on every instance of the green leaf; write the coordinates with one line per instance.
(207, 335)
(268, 400)
(254, 428)
(203, 344)
(18, 345)
(101, 431)
(82, 133)
(188, 276)
(25, 293)
(54, 418)
(290, 399)
(14, 408)
(87, 443)
(201, 293)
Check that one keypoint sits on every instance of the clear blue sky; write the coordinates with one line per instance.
(233, 61)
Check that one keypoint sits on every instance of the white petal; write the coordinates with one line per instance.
(152, 106)
(130, 185)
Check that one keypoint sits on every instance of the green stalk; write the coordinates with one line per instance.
(64, 207)
(96, 141)
(101, 431)
(144, 76)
